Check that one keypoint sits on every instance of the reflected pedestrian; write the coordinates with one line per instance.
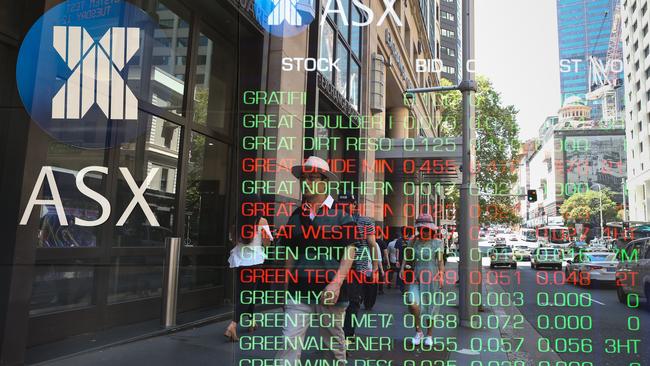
(248, 253)
(424, 254)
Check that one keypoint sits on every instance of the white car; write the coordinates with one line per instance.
(601, 266)
(522, 252)
(633, 272)
(501, 255)
(546, 257)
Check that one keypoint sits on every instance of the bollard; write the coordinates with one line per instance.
(170, 293)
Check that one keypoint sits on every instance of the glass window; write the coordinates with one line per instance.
(344, 27)
(135, 278)
(157, 74)
(354, 85)
(200, 272)
(66, 162)
(355, 38)
(154, 156)
(207, 187)
(327, 46)
(342, 54)
(59, 287)
(213, 100)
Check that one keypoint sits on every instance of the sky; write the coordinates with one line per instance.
(516, 48)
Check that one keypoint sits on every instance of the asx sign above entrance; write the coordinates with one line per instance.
(138, 197)
(287, 18)
(369, 14)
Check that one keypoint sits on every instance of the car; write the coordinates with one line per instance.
(513, 238)
(601, 266)
(546, 257)
(501, 255)
(633, 272)
(500, 240)
(491, 239)
(521, 252)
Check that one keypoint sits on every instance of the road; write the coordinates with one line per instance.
(596, 330)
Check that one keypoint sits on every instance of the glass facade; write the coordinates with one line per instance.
(105, 267)
(340, 40)
(584, 28)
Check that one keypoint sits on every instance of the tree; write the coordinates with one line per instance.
(584, 207)
(497, 145)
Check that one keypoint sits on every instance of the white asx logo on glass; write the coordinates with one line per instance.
(95, 77)
(285, 11)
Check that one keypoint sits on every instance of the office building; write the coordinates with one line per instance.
(584, 29)
(636, 52)
(450, 40)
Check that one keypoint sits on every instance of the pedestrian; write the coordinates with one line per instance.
(248, 253)
(399, 246)
(360, 292)
(327, 299)
(393, 263)
(383, 262)
(424, 255)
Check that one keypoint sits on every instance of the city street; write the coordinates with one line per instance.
(597, 328)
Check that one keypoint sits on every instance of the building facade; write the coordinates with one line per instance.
(568, 160)
(62, 286)
(450, 40)
(636, 52)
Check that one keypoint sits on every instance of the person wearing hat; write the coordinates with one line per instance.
(424, 253)
(318, 214)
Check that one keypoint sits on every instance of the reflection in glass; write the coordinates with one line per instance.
(343, 27)
(215, 79)
(596, 159)
(342, 74)
(206, 191)
(327, 47)
(355, 38)
(135, 278)
(156, 151)
(157, 74)
(59, 287)
(354, 85)
(201, 272)
(66, 161)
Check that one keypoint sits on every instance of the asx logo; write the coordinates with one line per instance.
(73, 67)
(95, 77)
(286, 18)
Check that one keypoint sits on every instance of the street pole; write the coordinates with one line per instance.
(624, 204)
(468, 222)
(600, 203)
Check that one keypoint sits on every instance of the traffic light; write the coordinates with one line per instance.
(532, 195)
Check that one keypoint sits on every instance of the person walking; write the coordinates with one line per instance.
(363, 263)
(248, 253)
(393, 264)
(424, 254)
(326, 299)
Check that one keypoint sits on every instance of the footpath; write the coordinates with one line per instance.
(453, 345)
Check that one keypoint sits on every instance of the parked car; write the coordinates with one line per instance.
(522, 252)
(500, 240)
(633, 272)
(601, 266)
(546, 257)
(501, 255)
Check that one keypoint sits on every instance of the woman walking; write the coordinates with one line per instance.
(424, 255)
(248, 253)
